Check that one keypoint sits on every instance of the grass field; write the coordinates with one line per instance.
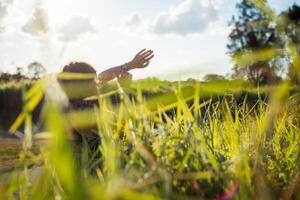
(154, 139)
(197, 142)
(10, 152)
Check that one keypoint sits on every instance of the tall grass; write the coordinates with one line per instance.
(205, 149)
(180, 145)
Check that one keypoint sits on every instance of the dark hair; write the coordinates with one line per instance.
(79, 67)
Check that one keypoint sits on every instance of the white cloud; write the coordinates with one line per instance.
(191, 17)
(3, 13)
(38, 23)
(134, 24)
(3, 10)
(7, 2)
(76, 27)
(133, 21)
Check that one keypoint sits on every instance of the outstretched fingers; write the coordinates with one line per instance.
(147, 53)
(147, 59)
(140, 53)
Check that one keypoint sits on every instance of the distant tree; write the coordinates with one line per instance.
(293, 23)
(20, 70)
(36, 70)
(292, 30)
(5, 77)
(252, 31)
(191, 80)
(19, 74)
(214, 77)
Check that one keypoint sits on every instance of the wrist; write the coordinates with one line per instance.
(124, 68)
(130, 65)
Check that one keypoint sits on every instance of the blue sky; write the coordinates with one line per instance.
(188, 36)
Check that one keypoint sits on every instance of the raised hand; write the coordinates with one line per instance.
(141, 60)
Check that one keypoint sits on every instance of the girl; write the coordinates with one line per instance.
(78, 89)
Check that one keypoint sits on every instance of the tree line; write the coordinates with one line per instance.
(35, 70)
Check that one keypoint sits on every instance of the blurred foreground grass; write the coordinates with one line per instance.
(168, 141)
(179, 144)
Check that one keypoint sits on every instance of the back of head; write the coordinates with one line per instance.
(80, 82)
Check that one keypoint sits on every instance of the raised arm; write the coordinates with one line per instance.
(141, 60)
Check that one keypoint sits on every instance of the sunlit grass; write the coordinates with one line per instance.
(165, 140)
(200, 148)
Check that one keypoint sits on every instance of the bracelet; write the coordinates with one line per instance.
(125, 67)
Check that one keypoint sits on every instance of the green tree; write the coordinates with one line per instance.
(213, 77)
(253, 31)
(36, 70)
(291, 19)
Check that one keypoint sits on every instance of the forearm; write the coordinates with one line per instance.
(109, 74)
(141, 60)
(113, 73)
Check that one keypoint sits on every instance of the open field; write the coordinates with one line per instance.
(200, 141)
(10, 152)
(96, 134)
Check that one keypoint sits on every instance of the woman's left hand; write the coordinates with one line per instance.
(141, 60)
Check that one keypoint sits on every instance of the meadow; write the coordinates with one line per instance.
(161, 140)
(226, 139)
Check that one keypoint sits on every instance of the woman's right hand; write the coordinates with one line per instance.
(141, 60)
